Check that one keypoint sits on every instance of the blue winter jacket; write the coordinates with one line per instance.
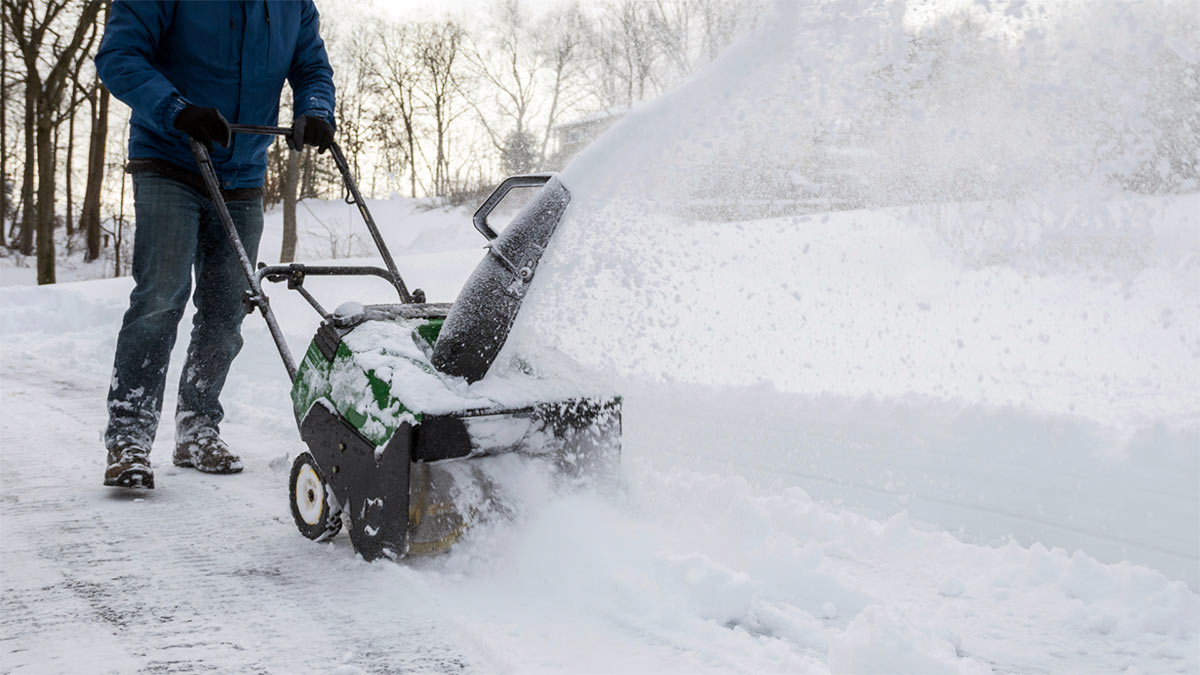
(160, 56)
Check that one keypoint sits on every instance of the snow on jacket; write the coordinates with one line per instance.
(160, 57)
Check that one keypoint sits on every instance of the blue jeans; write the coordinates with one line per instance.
(177, 231)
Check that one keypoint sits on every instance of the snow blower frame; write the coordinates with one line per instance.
(379, 445)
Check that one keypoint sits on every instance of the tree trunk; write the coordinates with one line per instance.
(272, 178)
(89, 212)
(120, 231)
(54, 146)
(291, 180)
(70, 177)
(12, 230)
(438, 177)
(27, 178)
(4, 205)
(411, 135)
(307, 181)
(45, 197)
(89, 217)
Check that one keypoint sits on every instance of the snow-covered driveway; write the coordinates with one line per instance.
(713, 558)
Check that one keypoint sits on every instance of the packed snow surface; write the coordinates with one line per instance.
(921, 412)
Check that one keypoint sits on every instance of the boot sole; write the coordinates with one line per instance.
(137, 479)
(189, 464)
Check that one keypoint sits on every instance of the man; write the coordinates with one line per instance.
(188, 69)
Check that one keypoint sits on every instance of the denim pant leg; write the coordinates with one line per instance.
(216, 326)
(164, 246)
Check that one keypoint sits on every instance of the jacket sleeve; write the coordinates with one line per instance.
(130, 40)
(310, 74)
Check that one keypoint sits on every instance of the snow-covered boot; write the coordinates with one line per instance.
(205, 451)
(129, 466)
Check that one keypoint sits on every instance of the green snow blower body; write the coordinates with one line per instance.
(393, 400)
(382, 423)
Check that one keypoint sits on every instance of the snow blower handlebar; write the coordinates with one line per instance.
(295, 273)
(354, 198)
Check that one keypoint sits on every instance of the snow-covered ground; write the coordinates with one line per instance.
(759, 527)
(957, 435)
(17, 269)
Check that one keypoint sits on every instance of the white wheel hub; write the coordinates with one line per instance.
(310, 495)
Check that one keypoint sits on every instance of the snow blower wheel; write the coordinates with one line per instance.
(315, 517)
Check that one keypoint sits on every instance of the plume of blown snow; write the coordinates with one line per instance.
(980, 200)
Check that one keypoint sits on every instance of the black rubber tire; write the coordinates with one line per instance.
(315, 517)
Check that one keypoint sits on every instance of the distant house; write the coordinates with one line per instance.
(571, 137)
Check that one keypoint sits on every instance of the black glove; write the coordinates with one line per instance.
(311, 130)
(205, 125)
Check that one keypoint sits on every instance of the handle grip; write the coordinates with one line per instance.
(521, 181)
(260, 129)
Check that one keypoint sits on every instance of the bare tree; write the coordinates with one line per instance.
(25, 233)
(89, 213)
(119, 223)
(354, 101)
(78, 96)
(288, 185)
(395, 75)
(69, 219)
(119, 237)
(624, 53)
(509, 65)
(719, 21)
(438, 48)
(44, 96)
(671, 23)
(434, 106)
(4, 192)
(563, 31)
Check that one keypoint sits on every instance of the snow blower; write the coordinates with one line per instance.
(384, 396)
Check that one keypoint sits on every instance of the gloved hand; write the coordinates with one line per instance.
(311, 130)
(205, 125)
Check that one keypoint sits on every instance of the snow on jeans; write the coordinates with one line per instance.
(178, 229)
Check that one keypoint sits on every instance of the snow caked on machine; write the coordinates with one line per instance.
(393, 400)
